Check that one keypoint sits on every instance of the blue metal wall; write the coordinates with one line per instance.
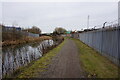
(107, 42)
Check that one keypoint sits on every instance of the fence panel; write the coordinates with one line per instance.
(104, 41)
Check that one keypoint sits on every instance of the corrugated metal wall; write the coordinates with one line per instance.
(107, 42)
(20, 32)
(33, 35)
(29, 34)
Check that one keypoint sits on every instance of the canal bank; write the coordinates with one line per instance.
(36, 67)
(18, 56)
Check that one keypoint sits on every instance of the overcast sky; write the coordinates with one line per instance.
(48, 15)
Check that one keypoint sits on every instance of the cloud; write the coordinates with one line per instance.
(70, 15)
(59, 0)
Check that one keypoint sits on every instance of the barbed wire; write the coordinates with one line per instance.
(108, 24)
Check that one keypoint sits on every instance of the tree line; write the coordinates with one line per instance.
(34, 30)
(13, 34)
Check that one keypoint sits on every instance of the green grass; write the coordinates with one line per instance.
(40, 65)
(94, 63)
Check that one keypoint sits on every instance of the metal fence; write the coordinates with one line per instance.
(20, 32)
(107, 42)
(29, 34)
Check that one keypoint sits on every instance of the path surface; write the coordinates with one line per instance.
(65, 64)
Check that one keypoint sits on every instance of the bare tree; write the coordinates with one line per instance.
(34, 30)
(59, 30)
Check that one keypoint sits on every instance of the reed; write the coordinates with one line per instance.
(25, 40)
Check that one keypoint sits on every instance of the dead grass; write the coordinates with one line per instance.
(25, 40)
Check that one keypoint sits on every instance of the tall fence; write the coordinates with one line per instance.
(29, 34)
(20, 32)
(13, 34)
(106, 42)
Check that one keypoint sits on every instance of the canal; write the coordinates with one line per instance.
(14, 57)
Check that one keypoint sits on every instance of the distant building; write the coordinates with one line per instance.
(44, 34)
(75, 34)
(68, 33)
(11, 28)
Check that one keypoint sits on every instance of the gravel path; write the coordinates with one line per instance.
(65, 64)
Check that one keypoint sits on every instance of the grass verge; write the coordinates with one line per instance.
(40, 65)
(95, 64)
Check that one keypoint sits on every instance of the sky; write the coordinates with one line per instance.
(119, 13)
(49, 15)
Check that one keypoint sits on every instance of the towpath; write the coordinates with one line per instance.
(65, 64)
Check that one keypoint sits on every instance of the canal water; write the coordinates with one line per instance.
(14, 57)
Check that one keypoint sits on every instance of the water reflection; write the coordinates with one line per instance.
(14, 57)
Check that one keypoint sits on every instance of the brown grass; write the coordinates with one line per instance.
(25, 40)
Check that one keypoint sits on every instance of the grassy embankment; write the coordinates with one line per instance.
(38, 66)
(25, 40)
(95, 64)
